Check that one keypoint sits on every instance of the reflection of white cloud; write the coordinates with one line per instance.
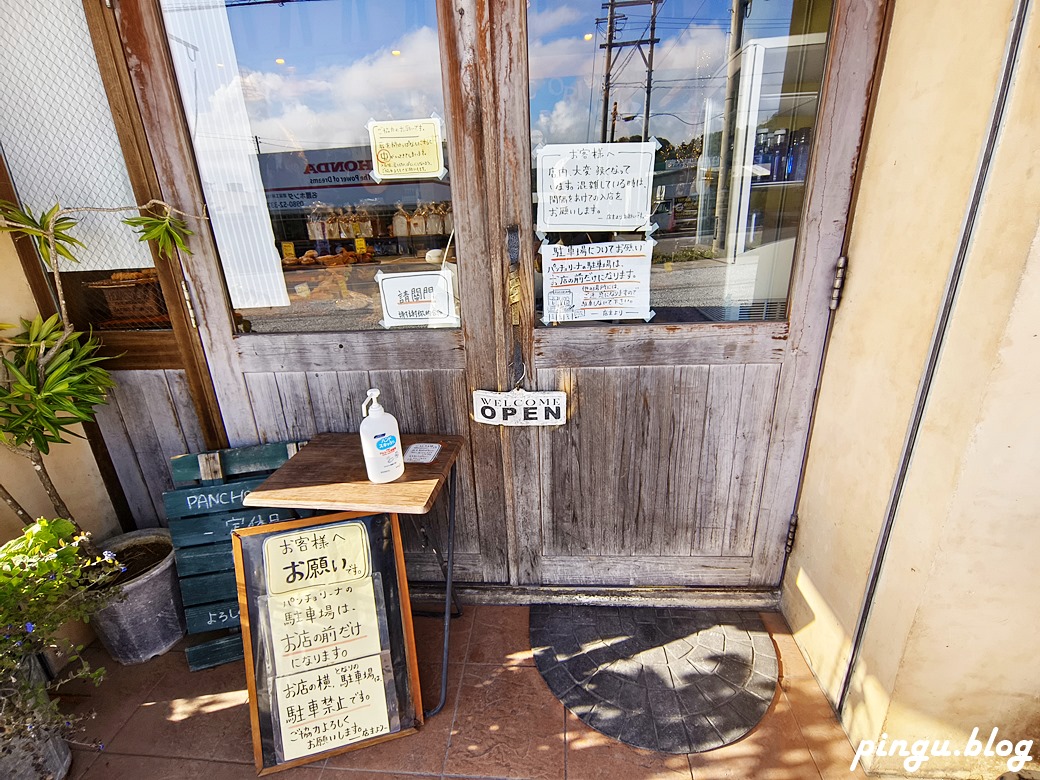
(541, 23)
(330, 107)
(686, 71)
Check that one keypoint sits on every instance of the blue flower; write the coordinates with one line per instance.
(29, 628)
(108, 555)
(122, 568)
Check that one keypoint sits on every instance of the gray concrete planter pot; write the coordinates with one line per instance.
(51, 750)
(55, 754)
(148, 619)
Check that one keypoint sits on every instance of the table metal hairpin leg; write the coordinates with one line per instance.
(448, 577)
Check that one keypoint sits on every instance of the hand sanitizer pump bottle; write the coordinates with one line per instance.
(380, 441)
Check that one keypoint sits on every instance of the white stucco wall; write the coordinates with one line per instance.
(952, 640)
(72, 465)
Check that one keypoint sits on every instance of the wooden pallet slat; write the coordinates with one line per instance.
(194, 531)
(203, 510)
(233, 462)
(206, 588)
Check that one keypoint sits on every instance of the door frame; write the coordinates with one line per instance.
(485, 84)
(855, 44)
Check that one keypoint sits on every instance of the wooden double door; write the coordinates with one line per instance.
(679, 462)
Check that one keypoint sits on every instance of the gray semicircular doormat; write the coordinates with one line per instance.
(664, 679)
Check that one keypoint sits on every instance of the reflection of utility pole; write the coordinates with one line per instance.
(256, 138)
(649, 60)
(611, 46)
(736, 33)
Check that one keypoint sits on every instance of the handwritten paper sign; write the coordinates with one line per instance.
(609, 281)
(407, 149)
(318, 556)
(313, 627)
(417, 298)
(329, 650)
(519, 407)
(595, 186)
(336, 705)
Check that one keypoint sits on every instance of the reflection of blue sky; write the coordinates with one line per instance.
(338, 70)
(567, 70)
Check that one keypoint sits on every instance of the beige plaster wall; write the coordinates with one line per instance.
(952, 640)
(72, 465)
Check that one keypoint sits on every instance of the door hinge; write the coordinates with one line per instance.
(791, 532)
(189, 305)
(839, 282)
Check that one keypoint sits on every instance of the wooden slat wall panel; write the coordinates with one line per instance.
(655, 460)
(187, 418)
(436, 402)
(660, 344)
(327, 404)
(691, 385)
(149, 419)
(750, 448)
(716, 457)
(646, 571)
(124, 458)
(297, 405)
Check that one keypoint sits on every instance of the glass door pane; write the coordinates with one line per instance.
(728, 88)
(278, 99)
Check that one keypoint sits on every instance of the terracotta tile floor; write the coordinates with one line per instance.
(161, 722)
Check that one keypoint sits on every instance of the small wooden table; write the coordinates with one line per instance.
(329, 473)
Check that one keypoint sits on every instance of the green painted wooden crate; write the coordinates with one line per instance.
(203, 510)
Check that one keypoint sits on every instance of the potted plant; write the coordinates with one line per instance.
(47, 578)
(51, 380)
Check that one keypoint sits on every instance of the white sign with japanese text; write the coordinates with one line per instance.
(417, 298)
(595, 186)
(316, 556)
(407, 149)
(315, 627)
(609, 281)
(321, 709)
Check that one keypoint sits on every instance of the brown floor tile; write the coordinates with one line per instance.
(349, 774)
(508, 724)
(422, 752)
(117, 767)
(593, 756)
(429, 637)
(501, 636)
(774, 750)
(107, 707)
(826, 739)
(792, 663)
(198, 715)
(82, 760)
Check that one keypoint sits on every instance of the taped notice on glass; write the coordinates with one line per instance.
(407, 149)
(417, 298)
(595, 186)
(608, 281)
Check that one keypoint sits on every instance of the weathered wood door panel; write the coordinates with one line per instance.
(149, 418)
(290, 406)
(658, 469)
(679, 463)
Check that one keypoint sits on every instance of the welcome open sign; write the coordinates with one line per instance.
(519, 407)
